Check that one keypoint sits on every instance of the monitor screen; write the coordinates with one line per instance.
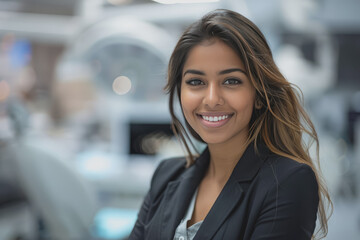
(147, 138)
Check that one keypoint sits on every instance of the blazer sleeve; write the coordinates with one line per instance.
(290, 208)
(167, 170)
(138, 230)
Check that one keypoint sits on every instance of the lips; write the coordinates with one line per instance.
(214, 119)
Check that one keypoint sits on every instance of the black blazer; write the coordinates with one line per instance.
(266, 197)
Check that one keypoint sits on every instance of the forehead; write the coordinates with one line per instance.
(212, 54)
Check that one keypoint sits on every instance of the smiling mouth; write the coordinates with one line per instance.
(215, 118)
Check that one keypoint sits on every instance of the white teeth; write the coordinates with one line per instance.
(214, 119)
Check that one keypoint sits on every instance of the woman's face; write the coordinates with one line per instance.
(217, 98)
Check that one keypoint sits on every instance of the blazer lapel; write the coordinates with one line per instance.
(178, 195)
(232, 193)
(224, 204)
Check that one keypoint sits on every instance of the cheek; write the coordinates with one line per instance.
(250, 107)
(186, 105)
(189, 103)
(244, 104)
(189, 100)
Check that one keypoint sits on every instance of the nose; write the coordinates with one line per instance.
(213, 96)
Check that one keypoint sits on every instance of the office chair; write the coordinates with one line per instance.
(64, 200)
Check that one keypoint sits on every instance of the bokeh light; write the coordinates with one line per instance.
(121, 85)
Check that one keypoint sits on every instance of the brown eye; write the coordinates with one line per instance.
(195, 82)
(232, 81)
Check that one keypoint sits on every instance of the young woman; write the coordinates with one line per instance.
(255, 180)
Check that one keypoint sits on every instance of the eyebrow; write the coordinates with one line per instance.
(226, 71)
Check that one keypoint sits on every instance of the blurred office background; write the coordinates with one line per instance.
(84, 119)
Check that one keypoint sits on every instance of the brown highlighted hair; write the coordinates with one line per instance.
(281, 122)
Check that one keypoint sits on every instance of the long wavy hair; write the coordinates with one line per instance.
(281, 122)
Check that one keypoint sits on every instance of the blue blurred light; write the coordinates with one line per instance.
(20, 53)
(114, 223)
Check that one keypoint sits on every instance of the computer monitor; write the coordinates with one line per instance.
(146, 138)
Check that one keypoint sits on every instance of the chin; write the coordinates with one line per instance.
(213, 139)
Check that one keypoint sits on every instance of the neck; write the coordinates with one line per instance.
(223, 159)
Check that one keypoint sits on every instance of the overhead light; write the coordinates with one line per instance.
(119, 2)
(184, 1)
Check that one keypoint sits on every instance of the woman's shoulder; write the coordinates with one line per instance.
(280, 170)
(286, 163)
(167, 170)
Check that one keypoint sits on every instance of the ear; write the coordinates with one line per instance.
(258, 104)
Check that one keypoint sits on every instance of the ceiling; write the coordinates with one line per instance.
(61, 20)
(57, 7)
